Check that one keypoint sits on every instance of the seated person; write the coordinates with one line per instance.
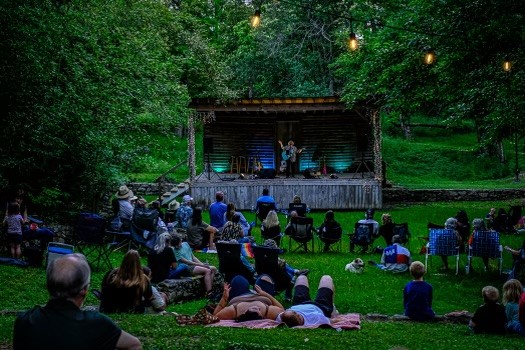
(304, 311)
(512, 293)
(298, 206)
(265, 201)
(246, 227)
(395, 258)
(356, 238)
(271, 228)
(61, 323)
(217, 211)
(194, 266)
(162, 261)
(159, 301)
(463, 228)
(490, 217)
(450, 224)
(417, 295)
(124, 196)
(478, 224)
(329, 226)
(126, 288)
(489, 317)
(387, 228)
(233, 230)
(200, 234)
(239, 303)
(184, 213)
(518, 260)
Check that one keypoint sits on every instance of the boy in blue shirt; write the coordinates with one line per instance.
(417, 295)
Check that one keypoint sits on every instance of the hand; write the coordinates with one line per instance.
(226, 291)
(259, 290)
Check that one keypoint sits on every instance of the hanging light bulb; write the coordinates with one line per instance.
(430, 57)
(353, 44)
(256, 19)
(507, 64)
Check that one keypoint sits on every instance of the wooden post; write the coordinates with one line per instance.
(191, 146)
(378, 158)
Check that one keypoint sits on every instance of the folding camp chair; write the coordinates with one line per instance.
(230, 263)
(300, 208)
(363, 236)
(330, 235)
(267, 262)
(442, 242)
(300, 230)
(55, 250)
(485, 244)
(92, 241)
(144, 226)
(262, 211)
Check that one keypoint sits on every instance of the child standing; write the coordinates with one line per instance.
(417, 295)
(512, 290)
(489, 317)
(14, 222)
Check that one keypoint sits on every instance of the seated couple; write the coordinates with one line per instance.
(242, 304)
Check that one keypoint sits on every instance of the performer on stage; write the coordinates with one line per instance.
(290, 156)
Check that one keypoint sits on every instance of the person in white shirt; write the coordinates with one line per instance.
(304, 311)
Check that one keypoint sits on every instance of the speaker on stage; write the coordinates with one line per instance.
(267, 173)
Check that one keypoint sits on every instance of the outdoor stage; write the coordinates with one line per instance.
(348, 191)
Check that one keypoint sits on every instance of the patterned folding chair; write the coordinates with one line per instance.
(442, 242)
(486, 244)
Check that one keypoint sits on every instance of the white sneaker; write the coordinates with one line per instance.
(211, 251)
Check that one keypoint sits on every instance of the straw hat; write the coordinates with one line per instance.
(124, 192)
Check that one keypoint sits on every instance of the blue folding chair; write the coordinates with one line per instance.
(486, 244)
(442, 242)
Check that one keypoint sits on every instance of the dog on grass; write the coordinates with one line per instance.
(356, 266)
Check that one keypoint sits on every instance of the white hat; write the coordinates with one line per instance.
(124, 192)
(187, 198)
(174, 205)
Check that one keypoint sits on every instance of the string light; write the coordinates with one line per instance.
(430, 57)
(256, 19)
(353, 44)
(507, 64)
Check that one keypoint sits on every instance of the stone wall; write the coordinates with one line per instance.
(403, 195)
(145, 188)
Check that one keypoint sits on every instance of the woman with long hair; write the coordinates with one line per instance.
(126, 288)
(271, 228)
(230, 212)
(162, 260)
(200, 234)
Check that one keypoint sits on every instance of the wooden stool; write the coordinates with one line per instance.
(234, 164)
(242, 165)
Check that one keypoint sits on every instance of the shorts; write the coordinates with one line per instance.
(323, 300)
(14, 238)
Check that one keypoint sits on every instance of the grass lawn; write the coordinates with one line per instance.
(371, 292)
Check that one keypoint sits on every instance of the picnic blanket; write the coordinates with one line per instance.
(343, 322)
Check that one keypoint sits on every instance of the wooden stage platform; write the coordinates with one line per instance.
(348, 191)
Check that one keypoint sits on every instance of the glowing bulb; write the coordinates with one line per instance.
(353, 44)
(430, 57)
(256, 19)
(507, 65)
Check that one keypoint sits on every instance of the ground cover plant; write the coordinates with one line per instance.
(371, 292)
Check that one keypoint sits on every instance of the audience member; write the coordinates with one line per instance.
(490, 217)
(156, 206)
(195, 267)
(512, 291)
(369, 219)
(124, 196)
(233, 230)
(463, 228)
(418, 294)
(200, 234)
(395, 258)
(500, 221)
(363, 240)
(159, 300)
(61, 324)
(298, 206)
(126, 288)
(184, 213)
(230, 211)
(271, 228)
(217, 211)
(240, 303)
(489, 317)
(328, 230)
(478, 224)
(304, 311)
(14, 222)
(162, 261)
(450, 224)
(387, 228)
(265, 198)
(518, 260)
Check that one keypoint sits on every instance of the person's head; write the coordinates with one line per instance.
(140, 202)
(68, 277)
(396, 239)
(266, 192)
(329, 216)
(253, 313)
(386, 218)
(462, 216)
(451, 223)
(219, 196)
(176, 242)
(296, 199)
(293, 214)
(490, 294)
(13, 208)
(163, 241)
(236, 218)
(478, 224)
(124, 193)
(186, 200)
(512, 290)
(196, 219)
(155, 205)
(417, 269)
(290, 143)
(292, 318)
(271, 219)
(369, 214)
(492, 211)
(147, 271)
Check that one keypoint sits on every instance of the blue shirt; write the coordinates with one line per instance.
(266, 199)
(417, 299)
(217, 211)
(184, 214)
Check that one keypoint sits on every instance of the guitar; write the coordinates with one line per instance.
(285, 155)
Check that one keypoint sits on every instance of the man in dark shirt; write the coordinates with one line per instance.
(489, 317)
(61, 324)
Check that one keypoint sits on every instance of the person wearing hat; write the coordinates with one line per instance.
(217, 211)
(124, 196)
(184, 213)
